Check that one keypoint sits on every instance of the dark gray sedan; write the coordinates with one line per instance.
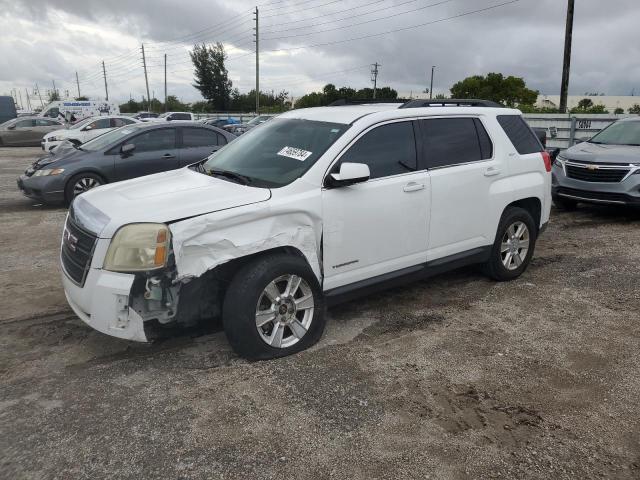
(27, 131)
(127, 152)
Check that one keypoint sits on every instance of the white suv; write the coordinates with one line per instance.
(308, 209)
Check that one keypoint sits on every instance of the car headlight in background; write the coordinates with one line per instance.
(47, 171)
(138, 247)
(51, 139)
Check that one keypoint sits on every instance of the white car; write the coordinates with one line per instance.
(85, 130)
(312, 208)
(169, 116)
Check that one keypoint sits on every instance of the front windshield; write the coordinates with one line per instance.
(619, 133)
(8, 123)
(105, 140)
(277, 152)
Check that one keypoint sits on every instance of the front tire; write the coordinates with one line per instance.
(514, 245)
(273, 308)
(81, 183)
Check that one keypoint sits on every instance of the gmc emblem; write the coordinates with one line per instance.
(592, 167)
(69, 240)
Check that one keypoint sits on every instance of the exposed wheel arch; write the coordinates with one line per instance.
(533, 205)
(74, 178)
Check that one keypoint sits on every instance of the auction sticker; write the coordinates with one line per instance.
(295, 153)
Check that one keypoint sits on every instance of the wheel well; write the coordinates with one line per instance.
(84, 172)
(531, 205)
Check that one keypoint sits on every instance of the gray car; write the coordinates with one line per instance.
(127, 152)
(27, 131)
(604, 169)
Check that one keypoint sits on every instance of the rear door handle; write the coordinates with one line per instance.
(413, 187)
(491, 171)
(168, 156)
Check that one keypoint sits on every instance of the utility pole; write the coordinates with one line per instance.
(104, 74)
(40, 96)
(146, 78)
(54, 87)
(165, 82)
(78, 84)
(566, 64)
(374, 77)
(433, 67)
(26, 92)
(257, 35)
(20, 95)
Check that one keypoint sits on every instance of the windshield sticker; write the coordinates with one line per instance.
(295, 153)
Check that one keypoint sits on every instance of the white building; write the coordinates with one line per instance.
(610, 102)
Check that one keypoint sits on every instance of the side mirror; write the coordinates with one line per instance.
(169, 118)
(87, 128)
(11, 127)
(584, 139)
(350, 174)
(127, 149)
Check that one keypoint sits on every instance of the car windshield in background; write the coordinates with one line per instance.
(257, 120)
(619, 133)
(81, 123)
(277, 153)
(99, 143)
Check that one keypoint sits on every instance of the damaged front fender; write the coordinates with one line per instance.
(205, 242)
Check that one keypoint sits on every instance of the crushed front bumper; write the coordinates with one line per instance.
(103, 304)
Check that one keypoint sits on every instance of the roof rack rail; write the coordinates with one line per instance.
(451, 102)
(350, 101)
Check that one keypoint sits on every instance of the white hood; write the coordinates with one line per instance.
(167, 196)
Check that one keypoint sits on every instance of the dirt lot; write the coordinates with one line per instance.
(456, 377)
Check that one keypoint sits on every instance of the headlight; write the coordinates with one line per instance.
(138, 247)
(48, 171)
(559, 161)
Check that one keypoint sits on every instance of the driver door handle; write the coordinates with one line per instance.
(491, 171)
(413, 187)
(168, 156)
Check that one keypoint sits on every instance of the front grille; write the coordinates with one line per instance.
(76, 252)
(597, 173)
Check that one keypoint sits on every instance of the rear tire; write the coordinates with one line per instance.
(565, 203)
(514, 245)
(273, 308)
(81, 183)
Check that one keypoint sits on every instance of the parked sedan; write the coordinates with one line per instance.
(127, 152)
(85, 130)
(26, 131)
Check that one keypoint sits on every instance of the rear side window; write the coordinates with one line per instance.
(100, 124)
(163, 139)
(486, 147)
(120, 122)
(522, 137)
(452, 141)
(198, 137)
(387, 150)
(181, 116)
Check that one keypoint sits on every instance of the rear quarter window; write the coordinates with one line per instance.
(520, 134)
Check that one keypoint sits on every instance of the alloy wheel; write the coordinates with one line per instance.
(515, 245)
(84, 184)
(284, 311)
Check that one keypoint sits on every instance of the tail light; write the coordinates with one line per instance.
(547, 160)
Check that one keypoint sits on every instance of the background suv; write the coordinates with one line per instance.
(315, 206)
(85, 130)
(604, 169)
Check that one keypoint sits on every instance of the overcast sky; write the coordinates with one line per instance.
(42, 41)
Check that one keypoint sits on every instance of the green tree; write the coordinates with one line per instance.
(618, 111)
(211, 75)
(510, 91)
(330, 94)
(54, 96)
(585, 104)
(82, 99)
(635, 109)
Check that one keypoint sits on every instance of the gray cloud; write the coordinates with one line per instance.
(51, 39)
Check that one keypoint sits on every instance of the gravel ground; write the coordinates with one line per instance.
(456, 377)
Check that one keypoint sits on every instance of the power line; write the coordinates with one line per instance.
(362, 23)
(302, 10)
(335, 42)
